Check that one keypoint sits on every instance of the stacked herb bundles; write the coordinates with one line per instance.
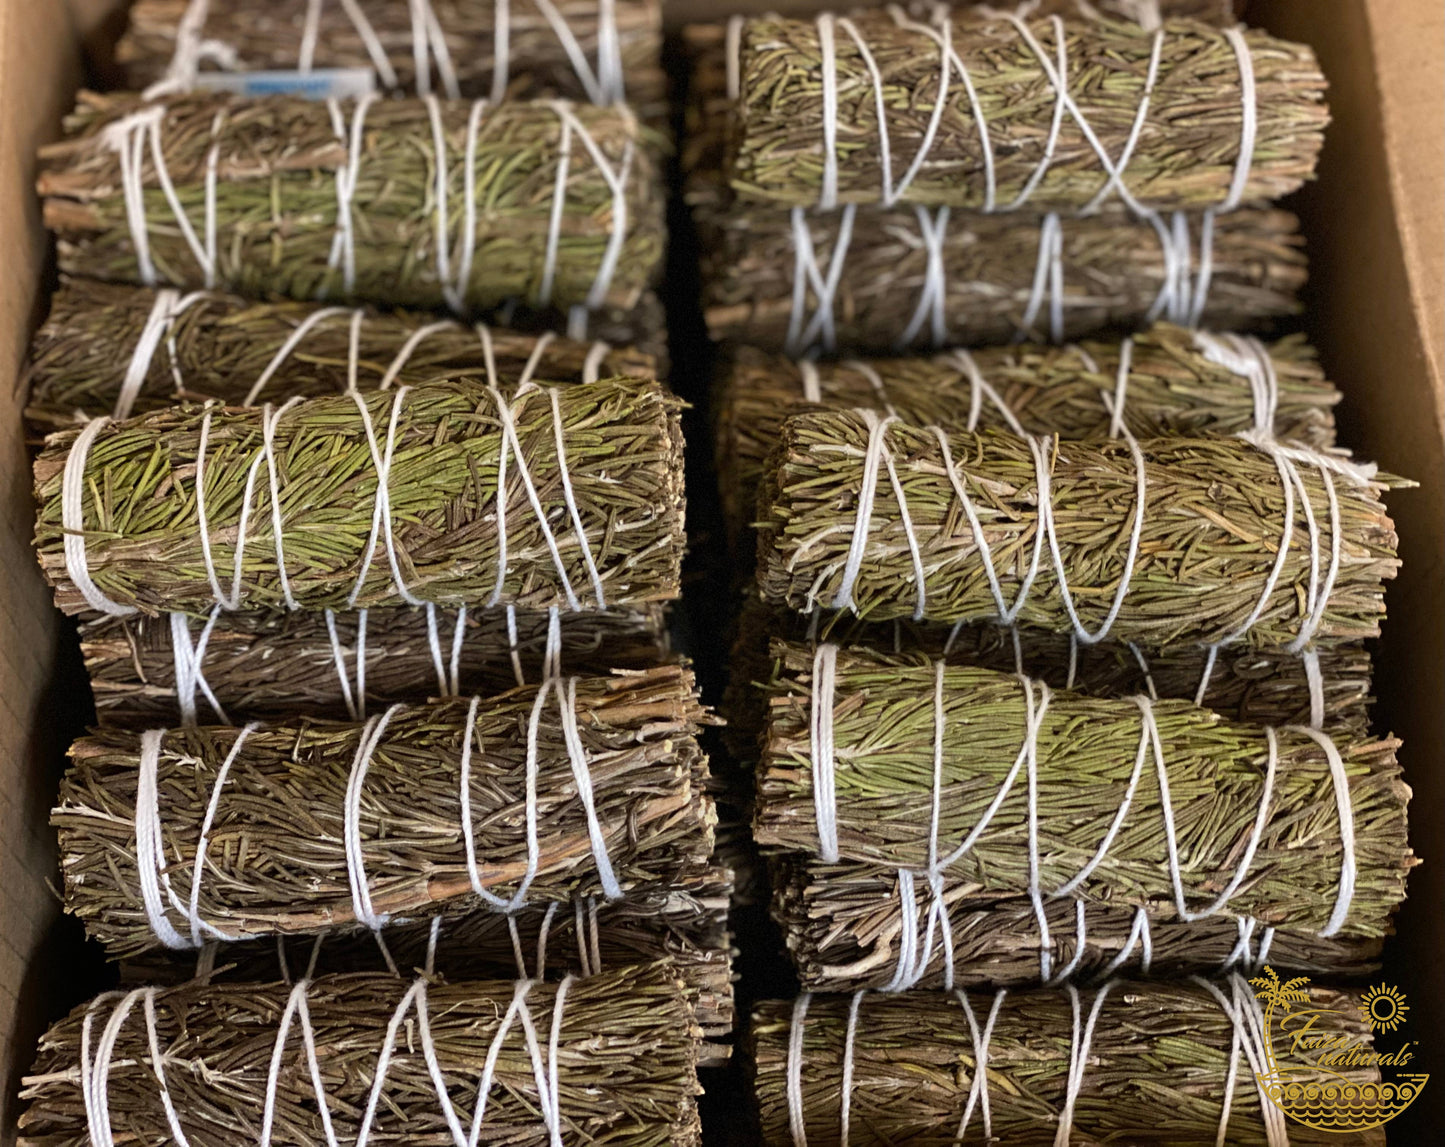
(599, 51)
(407, 202)
(609, 1057)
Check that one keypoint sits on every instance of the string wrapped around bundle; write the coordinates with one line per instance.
(1328, 688)
(861, 926)
(109, 349)
(367, 1058)
(1007, 788)
(885, 280)
(684, 922)
(1185, 1063)
(577, 786)
(994, 112)
(1164, 381)
(449, 494)
(416, 203)
(231, 667)
(599, 51)
(1160, 542)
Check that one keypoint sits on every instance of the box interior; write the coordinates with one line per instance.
(1377, 249)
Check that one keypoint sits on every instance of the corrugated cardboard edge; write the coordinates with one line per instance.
(38, 72)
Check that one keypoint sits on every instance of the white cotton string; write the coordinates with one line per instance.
(269, 418)
(506, 416)
(233, 601)
(1171, 841)
(873, 456)
(95, 1074)
(343, 246)
(355, 700)
(1136, 533)
(850, 1036)
(1078, 1060)
(429, 42)
(455, 291)
(616, 179)
(592, 364)
(1051, 143)
(1310, 658)
(804, 332)
(1249, 1037)
(1048, 281)
(796, 1121)
(978, 1085)
(293, 340)
(554, 221)
(1121, 388)
(72, 519)
(1345, 810)
(979, 388)
(1211, 657)
(126, 137)
(464, 786)
(361, 904)
(203, 842)
(381, 518)
(168, 305)
(191, 49)
(825, 794)
(1115, 181)
(582, 776)
(150, 843)
(188, 659)
(1007, 614)
(573, 511)
(1138, 934)
(408, 348)
(605, 86)
(1249, 118)
(827, 46)
(370, 40)
(932, 299)
(534, 360)
(1143, 664)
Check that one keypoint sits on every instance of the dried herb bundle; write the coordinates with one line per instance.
(1236, 540)
(1218, 817)
(845, 928)
(1190, 117)
(118, 350)
(277, 664)
(684, 922)
(1162, 1063)
(396, 201)
(289, 850)
(624, 1067)
(1255, 686)
(867, 281)
(620, 44)
(351, 511)
(1174, 382)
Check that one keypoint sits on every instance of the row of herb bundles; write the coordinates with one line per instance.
(1055, 670)
(384, 590)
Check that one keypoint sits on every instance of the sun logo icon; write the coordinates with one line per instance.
(1384, 1008)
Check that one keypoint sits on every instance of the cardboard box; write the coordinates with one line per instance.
(1377, 244)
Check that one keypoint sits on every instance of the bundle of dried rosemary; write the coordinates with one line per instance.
(976, 110)
(245, 666)
(609, 1058)
(856, 926)
(884, 280)
(683, 921)
(418, 203)
(1127, 1063)
(1164, 381)
(112, 349)
(602, 51)
(1143, 541)
(1256, 686)
(1013, 790)
(449, 493)
(590, 786)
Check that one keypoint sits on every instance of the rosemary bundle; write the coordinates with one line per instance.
(1162, 805)
(972, 110)
(234, 667)
(1129, 1063)
(1169, 541)
(449, 493)
(1164, 381)
(118, 350)
(856, 926)
(892, 279)
(1254, 686)
(684, 922)
(603, 51)
(409, 202)
(589, 786)
(611, 1058)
